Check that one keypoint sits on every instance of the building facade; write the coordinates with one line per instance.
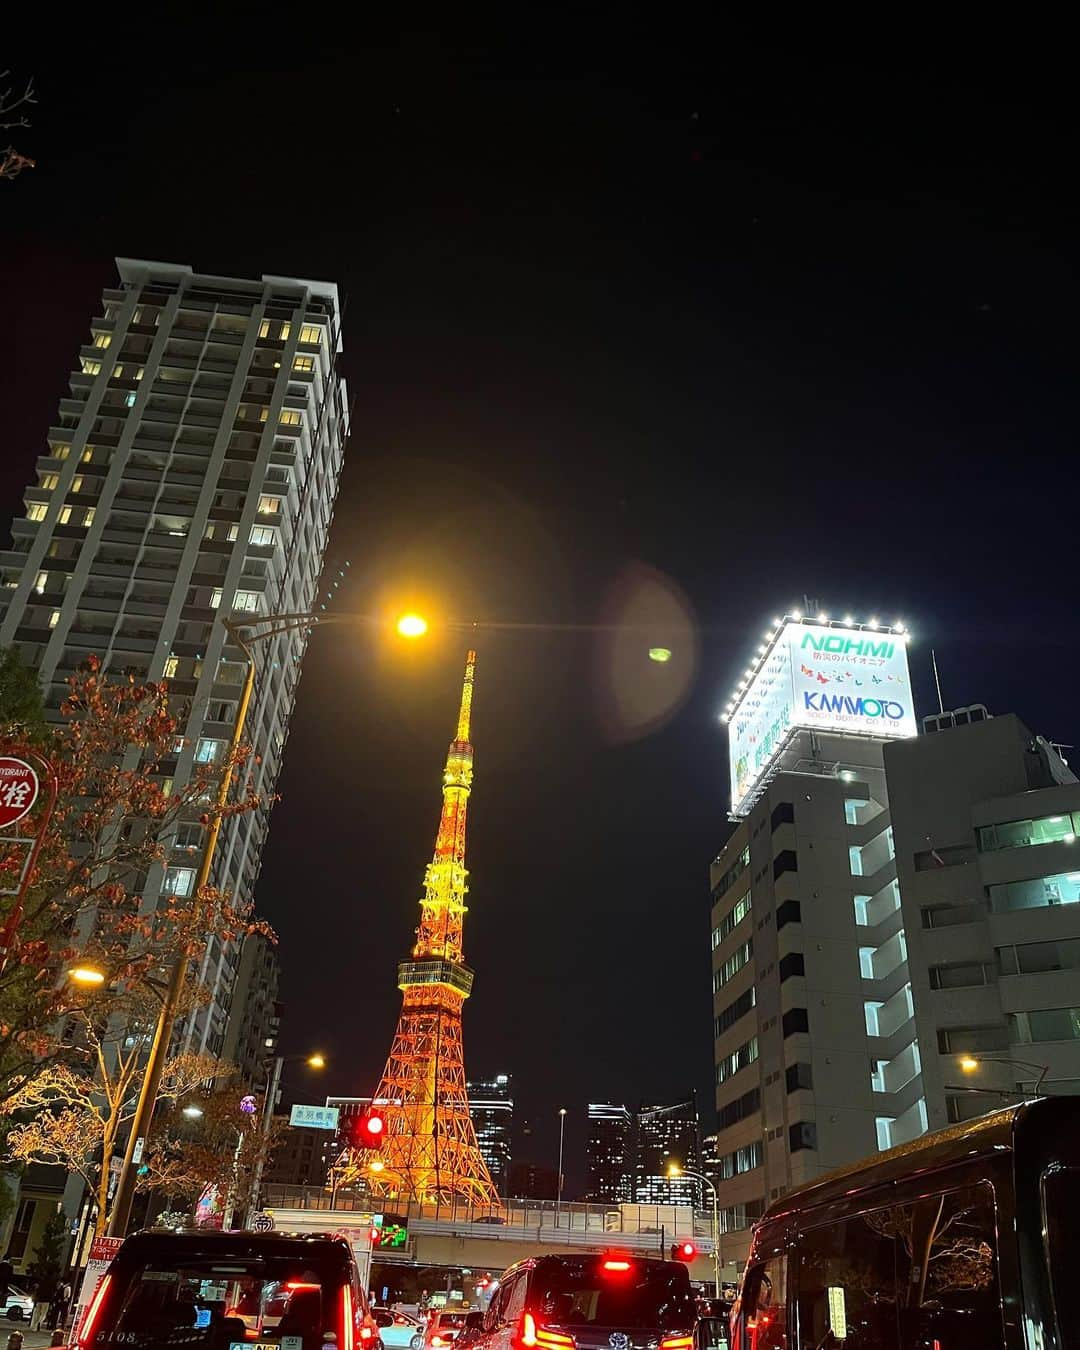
(609, 1153)
(666, 1135)
(190, 474)
(299, 1158)
(491, 1106)
(987, 822)
(254, 1022)
(816, 1051)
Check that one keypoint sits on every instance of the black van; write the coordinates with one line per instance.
(961, 1240)
(226, 1290)
(605, 1302)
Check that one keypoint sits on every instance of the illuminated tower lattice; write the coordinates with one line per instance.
(430, 1151)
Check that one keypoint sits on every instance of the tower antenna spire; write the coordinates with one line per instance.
(429, 1151)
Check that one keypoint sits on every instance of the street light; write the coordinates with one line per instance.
(412, 626)
(315, 1060)
(972, 1063)
(88, 976)
(193, 1112)
(558, 1179)
(674, 1171)
(257, 628)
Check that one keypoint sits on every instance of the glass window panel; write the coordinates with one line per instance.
(1053, 1024)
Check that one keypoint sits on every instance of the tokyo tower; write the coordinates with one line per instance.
(426, 1148)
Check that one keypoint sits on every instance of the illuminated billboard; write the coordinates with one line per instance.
(819, 677)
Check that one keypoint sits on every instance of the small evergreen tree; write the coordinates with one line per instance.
(46, 1265)
(20, 694)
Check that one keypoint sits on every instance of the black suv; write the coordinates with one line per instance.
(606, 1302)
(213, 1291)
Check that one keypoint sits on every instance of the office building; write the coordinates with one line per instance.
(666, 1135)
(254, 1021)
(491, 1107)
(816, 1054)
(609, 1147)
(190, 474)
(986, 816)
(299, 1157)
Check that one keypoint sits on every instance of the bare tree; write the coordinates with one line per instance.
(12, 161)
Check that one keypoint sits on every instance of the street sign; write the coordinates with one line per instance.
(315, 1117)
(18, 790)
(262, 1223)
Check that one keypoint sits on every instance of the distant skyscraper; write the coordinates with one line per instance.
(251, 1033)
(191, 473)
(666, 1134)
(533, 1181)
(609, 1153)
(492, 1109)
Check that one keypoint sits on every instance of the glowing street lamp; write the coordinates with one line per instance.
(412, 626)
(972, 1063)
(674, 1172)
(316, 1061)
(88, 976)
(193, 1112)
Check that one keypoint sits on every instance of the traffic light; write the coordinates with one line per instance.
(683, 1251)
(370, 1130)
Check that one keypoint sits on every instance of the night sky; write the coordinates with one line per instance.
(765, 317)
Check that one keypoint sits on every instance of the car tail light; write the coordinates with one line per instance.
(534, 1337)
(677, 1343)
(616, 1267)
(295, 1286)
(345, 1340)
(93, 1314)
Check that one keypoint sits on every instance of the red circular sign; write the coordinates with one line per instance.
(18, 790)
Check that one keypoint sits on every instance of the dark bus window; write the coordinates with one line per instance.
(847, 1284)
(761, 1316)
(947, 1271)
(1061, 1196)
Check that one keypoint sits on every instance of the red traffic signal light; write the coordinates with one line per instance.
(683, 1251)
(370, 1130)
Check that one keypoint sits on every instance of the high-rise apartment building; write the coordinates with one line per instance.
(666, 1135)
(491, 1107)
(987, 825)
(609, 1153)
(816, 1051)
(191, 474)
(254, 1021)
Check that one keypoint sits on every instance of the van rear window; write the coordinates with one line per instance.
(220, 1303)
(645, 1297)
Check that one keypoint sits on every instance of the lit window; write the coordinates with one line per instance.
(178, 881)
(172, 664)
(88, 518)
(248, 601)
(54, 618)
(64, 516)
(310, 332)
(263, 413)
(129, 400)
(264, 328)
(118, 372)
(42, 583)
(87, 455)
(290, 417)
(139, 372)
(207, 751)
(77, 483)
(215, 598)
(38, 511)
(286, 329)
(102, 340)
(90, 367)
(48, 481)
(60, 451)
(269, 506)
(231, 533)
(303, 364)
(263, 535)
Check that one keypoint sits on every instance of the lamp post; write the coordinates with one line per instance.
(674, 1171)
(972, 1063)
(558, 1177)
(257, 628)
(313, 1061)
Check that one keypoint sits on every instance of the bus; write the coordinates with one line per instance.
(960, 1240)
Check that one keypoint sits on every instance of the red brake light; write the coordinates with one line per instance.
(617, 1265)
(293, 1286)
(93, 1312)
(676, 1343)
(533, 1337)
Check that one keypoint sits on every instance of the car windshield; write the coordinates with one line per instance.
(649, 1296)
(218, 1303)
(451, 1319)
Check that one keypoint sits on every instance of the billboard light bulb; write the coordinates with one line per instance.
(898, 625)
(823, 618)
(848, 619)
(873, 623)
(796, 614)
